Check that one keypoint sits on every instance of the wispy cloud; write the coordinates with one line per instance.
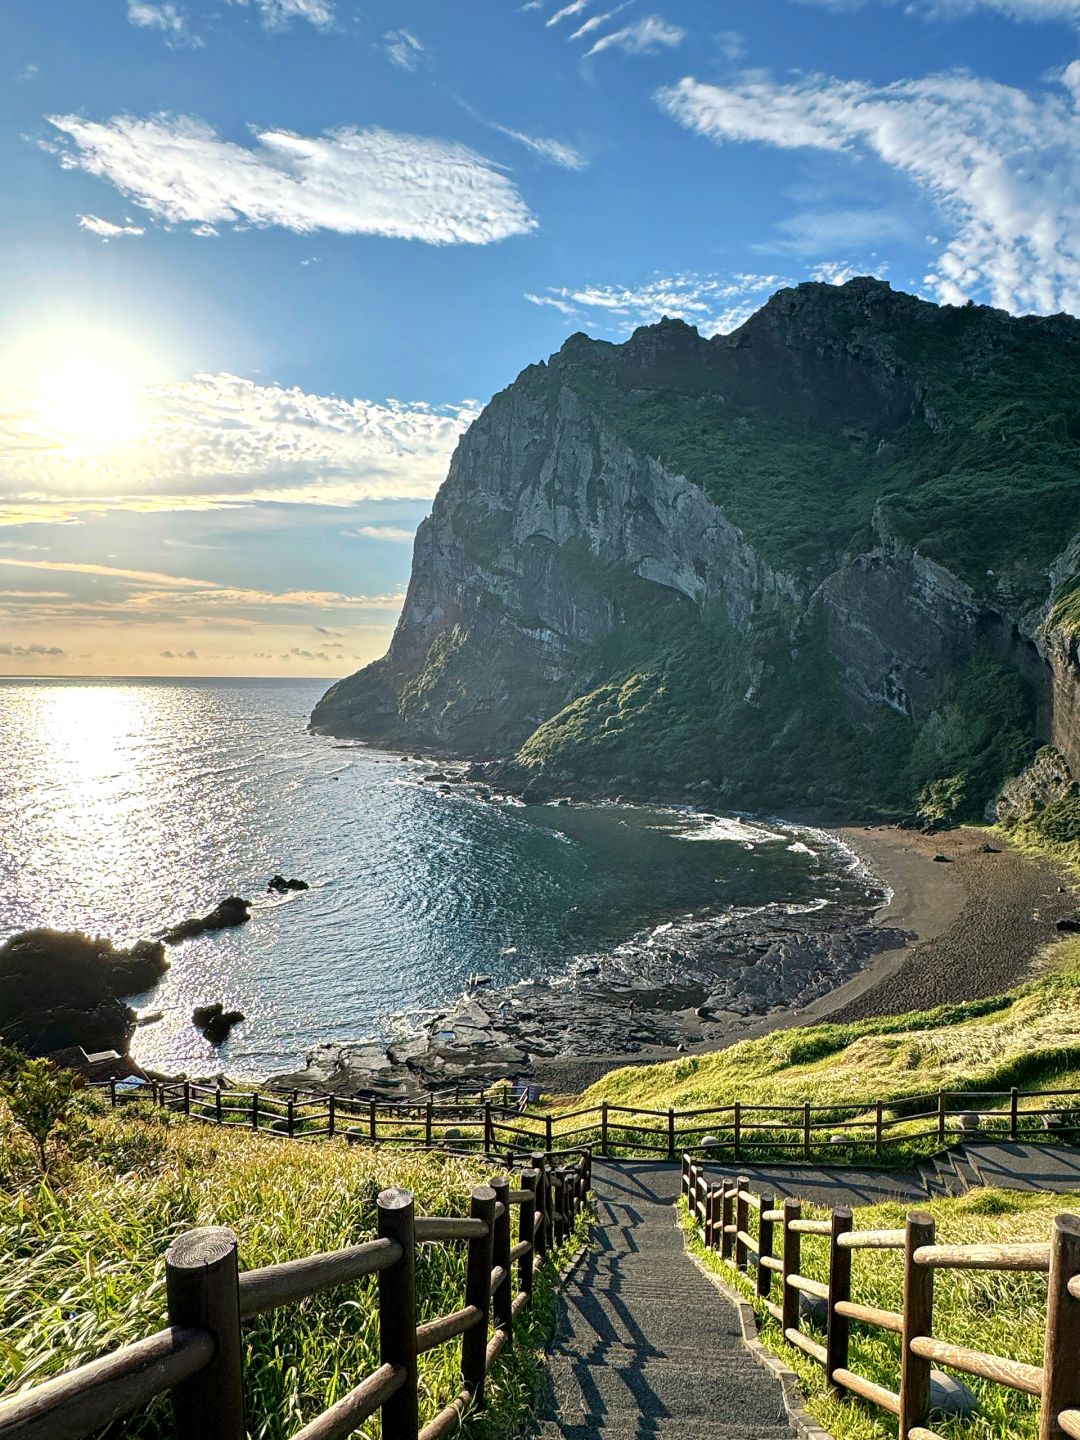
(373, 182)
(644, 37)
(1001, 165)
(596, 21)
(957, 9)
(160, 15)
(392, 533)
(106, 229)
(225, 440)
(716, 304)
(555, 152)
(404, 49)
(575, 7)
(280, 14)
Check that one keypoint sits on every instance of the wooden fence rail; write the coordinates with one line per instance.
(774, 1253)
(198, 1358)
(864, 1131)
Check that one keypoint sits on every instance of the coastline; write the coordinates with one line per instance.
(978, 920)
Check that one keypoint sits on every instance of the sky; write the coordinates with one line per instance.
(263, 261)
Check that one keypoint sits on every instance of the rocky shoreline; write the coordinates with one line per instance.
(689, 984)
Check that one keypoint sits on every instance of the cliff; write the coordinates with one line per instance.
(826, 559)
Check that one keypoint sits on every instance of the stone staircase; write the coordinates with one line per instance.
(1005, 1165)
(648, 1347)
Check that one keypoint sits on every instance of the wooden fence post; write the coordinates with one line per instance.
(736, 1129)
(502, 1298)
(429, 1117)
(549, 1139)
(292, 1117)
(727, 1240)
(255, 1110)
(713, 1222)
(217, 1106)
(373, 1121)
(397, 1313)
(742, 1220)
(878, 1117)
(603, 1129)
(670, 1133)
(539, 1165)
(112, 1091)
(527, 1232)
(792, 1257)
(684, 1183)
(765, 1246)
(331, 1116)
(202, 1286)
(1014, 1113)
(941, 1117)
(489, 1138)
(478, 1293)
(918, 1314)
(836, 1340)
(806, 1130)
(187, 1097)
(1061, 1374)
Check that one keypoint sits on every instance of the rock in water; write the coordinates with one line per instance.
(279, 885)
(215, 1021)
(229, 913)
(59, 989)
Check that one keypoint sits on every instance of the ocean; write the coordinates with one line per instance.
(126, 805)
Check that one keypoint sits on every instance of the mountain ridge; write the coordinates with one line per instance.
(809, 562)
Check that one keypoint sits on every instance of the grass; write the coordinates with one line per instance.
(1026, 1038)
(84, 1262)
(1003, 1314)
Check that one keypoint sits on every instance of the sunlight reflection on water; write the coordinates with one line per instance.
(126, 806)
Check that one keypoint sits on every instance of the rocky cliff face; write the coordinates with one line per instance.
(689, 562)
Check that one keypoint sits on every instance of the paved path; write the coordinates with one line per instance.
(648, 1348)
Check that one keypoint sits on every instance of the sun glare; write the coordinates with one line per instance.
(82, 388)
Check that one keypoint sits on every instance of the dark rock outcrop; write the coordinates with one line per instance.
(60, 989)
(215, 1021)
(278, 885)
(229, 913)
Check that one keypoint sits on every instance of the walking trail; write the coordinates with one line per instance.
(648, 1348)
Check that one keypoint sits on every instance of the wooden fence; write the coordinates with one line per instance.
(198, 1357)
(770, 1245)
(864, 1131)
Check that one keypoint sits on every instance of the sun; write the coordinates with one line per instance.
(81, 389)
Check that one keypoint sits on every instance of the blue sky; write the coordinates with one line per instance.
(261, 261)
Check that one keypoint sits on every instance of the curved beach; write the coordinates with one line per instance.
(980, 917)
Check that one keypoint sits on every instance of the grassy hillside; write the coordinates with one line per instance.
(1004, 1314)
(84, 1260)
(1027, 1037)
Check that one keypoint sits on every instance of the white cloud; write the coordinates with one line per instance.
(393, 533)
(555, 152)
(221, 440)
(715, 304)
(178, 655)
(956, 9)
(644, 37)
(1002, 165)
(357, 182)
(730, 45)
(404, 49)
(106, 229)
(575, 7)
(163, 16)
(279, 14)
(595, 22)
(835, 272)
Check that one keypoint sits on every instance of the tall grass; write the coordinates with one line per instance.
(1003, 1314)
(83, 1261)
